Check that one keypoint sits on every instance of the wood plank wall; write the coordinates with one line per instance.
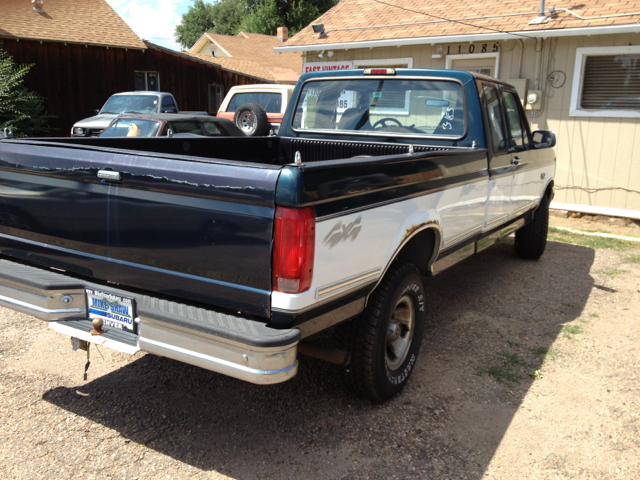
(76, 79)
(598, 159)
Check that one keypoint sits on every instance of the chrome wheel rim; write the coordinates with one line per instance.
(400, 332)
(247, 122)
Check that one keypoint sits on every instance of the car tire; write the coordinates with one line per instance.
(384, 340)
(251, 119)
(531, 239)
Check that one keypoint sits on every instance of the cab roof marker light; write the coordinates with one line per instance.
(380, 71)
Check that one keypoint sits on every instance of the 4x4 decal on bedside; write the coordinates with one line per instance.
(340, 233)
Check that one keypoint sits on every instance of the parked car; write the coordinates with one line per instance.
(256, 109)
(126, 103)
(377, 178)
(170, 125)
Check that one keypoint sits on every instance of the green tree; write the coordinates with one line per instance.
(229, 17)
(264, 19)
(198, 19)
(20, 109)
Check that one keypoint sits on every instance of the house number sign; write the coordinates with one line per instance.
(472, 48)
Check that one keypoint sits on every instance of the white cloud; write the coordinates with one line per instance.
(152, 20)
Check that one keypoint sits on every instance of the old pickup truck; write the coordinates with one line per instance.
(228, 253)
(127, 103)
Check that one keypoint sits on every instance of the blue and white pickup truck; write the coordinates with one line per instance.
(228, 253)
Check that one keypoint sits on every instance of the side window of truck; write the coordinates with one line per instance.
(168, 105)
(495, 117)
(517, 124)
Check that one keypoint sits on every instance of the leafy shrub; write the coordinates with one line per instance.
(20, 109)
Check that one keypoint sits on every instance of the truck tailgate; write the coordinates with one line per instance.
(182, 226)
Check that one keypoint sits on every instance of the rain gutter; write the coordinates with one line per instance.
(476, 37)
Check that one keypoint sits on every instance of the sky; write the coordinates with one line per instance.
(153, 20)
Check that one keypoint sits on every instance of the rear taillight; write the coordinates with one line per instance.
(293, 249)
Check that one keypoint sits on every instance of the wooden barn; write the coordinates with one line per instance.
(83, 53)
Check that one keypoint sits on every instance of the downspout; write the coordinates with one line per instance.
(539, 53)
(521, 57)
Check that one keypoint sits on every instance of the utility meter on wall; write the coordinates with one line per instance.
(534, 100)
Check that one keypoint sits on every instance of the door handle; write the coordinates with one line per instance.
(515, 161)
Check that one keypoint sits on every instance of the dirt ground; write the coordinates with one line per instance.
(528, 370)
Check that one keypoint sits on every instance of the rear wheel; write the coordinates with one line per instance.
(531, 240)
(384, 340)
(251, 119)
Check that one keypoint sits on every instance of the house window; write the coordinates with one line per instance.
(396, 103)
(147, 81)
(483, 63)
(606, 82)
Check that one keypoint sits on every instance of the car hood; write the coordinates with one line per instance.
(99, 121)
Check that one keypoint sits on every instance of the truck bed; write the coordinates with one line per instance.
(190, 219)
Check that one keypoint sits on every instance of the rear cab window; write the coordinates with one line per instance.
(393, 106)
(270, 102)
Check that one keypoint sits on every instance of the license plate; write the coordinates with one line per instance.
(114, 310)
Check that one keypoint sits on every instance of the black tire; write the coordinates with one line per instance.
(374, 371)
(531, 239)
(251, 119)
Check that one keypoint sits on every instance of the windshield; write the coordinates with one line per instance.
(132, 127)
(131, 104)
(393, 106)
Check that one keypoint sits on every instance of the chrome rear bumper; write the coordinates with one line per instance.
(233, 345)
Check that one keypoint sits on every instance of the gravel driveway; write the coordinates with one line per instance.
(527, 370)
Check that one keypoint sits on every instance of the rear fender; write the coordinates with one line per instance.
(418, 241)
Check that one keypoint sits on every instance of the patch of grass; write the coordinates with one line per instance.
(628, 234)
(546, 353)
(503, 375)
(614, 272)
(540, 351)
(538, 320)
(633, 258)
(594, 315)
(536, 375)
(588, 241)
(512, 359)
(507, 368)
(572, 305)
(513, 344)
(570, 330)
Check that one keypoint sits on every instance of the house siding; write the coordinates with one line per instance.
(76, 79)
(598, 159)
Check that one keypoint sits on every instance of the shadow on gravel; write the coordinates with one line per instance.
(492, 320)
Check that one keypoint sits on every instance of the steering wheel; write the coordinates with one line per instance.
(383, 122)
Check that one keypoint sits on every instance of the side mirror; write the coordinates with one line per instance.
(96, 112)
(7, 133)
(168, 110)
(544, 139)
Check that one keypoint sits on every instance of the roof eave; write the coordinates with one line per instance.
(474, 37)
(73, 42)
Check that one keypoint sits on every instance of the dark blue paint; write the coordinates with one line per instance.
(199, 231)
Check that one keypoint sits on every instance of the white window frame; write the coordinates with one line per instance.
(384, 62)
(472, 56)
(394, 111)
(575, 110)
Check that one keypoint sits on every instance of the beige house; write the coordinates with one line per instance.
(251, 54)
(577, 70)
